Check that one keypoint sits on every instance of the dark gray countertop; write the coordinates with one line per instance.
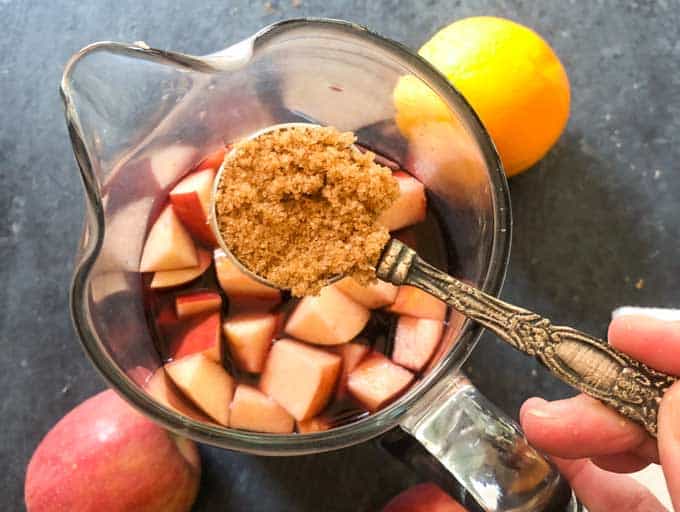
(596, 222)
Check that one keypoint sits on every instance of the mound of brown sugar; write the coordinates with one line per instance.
(299, 205)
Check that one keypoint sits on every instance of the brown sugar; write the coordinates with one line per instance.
(298, 206)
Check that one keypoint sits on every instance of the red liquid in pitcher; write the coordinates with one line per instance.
(250, 357)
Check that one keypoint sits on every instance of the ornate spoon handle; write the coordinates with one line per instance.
(587, 363)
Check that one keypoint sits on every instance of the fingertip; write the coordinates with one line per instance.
(652, 340)
(532, 406)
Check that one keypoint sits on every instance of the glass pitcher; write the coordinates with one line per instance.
(139, 117)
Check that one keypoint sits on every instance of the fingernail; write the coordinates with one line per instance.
(539, 408)
(664, 314)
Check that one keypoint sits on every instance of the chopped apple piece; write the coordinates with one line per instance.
(170, 278)
(249, 337)
(199, 301)
(236, 283)
(191, 200)
(252, 410)
(409, 208)
(415, 340)
(375, 295)
(300, 378)
(164, 390)
(201, 336)
(331, 318)
(170, 162)
(213, 160)
(377, 381)
(166, 319)
(206, 383)
(413, 301)
(352, 354)
(315, 424)
(168, 245)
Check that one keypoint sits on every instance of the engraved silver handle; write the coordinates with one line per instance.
(587, 363)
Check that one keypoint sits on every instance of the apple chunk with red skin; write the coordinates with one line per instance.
(104, 455)
(196, 302)
(377, 381)
(168, 246)
(372, 296)
(330, 318)
(409, 208)
(413, 301)
(299, 377)
(202, 336)
(415, 341)
(249, 337)
(206, 383)
(237, 284)
(191, 200)
(170, 278)
(213, 160)
(426, 497)
(252, 410)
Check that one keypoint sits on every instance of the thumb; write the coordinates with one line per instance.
(669, 441)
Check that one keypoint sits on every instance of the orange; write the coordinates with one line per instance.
(511, 77)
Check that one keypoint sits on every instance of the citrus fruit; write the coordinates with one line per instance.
(508, 73)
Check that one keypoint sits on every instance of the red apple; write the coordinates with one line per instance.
(252, 410)
(213, 160)
(196, 302)
(377, 381)
(236, 283)
(170, 278)
(413, 301)
(170, 162)
(105, 456)
(191, 200)
(206, 383)
(415, 340)
(330, 318)
(249, 337)
(409, 208)
(299, 377)
(372, 296)
(426, 497)
(168, 245)
(200, 336)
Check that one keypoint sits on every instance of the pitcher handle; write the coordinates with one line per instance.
(486, 451)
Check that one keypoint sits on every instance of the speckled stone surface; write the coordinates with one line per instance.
(596, 222)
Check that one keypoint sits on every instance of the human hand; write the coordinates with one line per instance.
(591, 444)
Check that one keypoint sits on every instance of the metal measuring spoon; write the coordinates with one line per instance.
(585, 362)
